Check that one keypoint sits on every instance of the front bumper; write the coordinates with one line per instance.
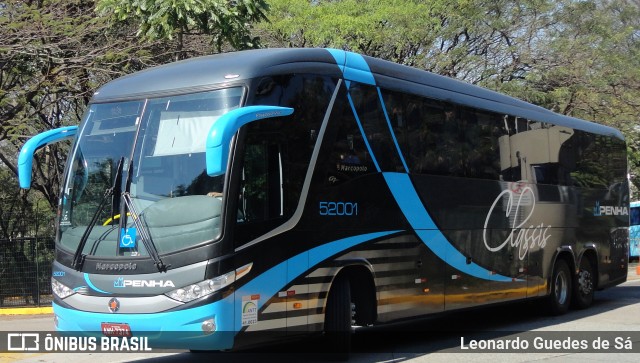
(179, 329)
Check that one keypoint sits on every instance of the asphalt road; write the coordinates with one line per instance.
(615, 311)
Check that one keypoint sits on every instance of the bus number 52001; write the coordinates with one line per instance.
(338, 209)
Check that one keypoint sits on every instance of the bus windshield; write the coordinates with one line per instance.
(164, 190)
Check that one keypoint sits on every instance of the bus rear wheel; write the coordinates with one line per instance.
(338, 318)
(583, 290)
(560, 297)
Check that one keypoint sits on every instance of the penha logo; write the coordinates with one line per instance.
(120, 282)
(609, 210)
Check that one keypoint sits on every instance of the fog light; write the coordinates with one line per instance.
(208, 326)
(55, 320)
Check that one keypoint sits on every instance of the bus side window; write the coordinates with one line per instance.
(346, 156)
(261, 194)
(264, 187)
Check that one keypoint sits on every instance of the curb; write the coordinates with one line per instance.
(26, 311)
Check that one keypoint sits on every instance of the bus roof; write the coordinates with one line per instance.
(212, 71)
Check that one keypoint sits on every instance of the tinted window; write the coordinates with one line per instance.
(445, 139)
(602, 161)
(371, 116)
(347, 156)
(276, 152)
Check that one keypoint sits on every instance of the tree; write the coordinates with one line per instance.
(588, 66)
(21, 214)
(53, 55)
(224, 21)
(471, 40)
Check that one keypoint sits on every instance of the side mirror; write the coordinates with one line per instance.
(221, 132)
(25, 158)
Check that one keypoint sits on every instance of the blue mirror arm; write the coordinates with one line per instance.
(25, 158)
(221, 132)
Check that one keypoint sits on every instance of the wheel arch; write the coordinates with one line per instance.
(360, 274)
(590, 252)
(567, 254)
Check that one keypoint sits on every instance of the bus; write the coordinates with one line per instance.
(237, 199)
(634, 230)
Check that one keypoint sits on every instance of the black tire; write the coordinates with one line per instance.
(583, 286)
(560, 298)
(337, 319)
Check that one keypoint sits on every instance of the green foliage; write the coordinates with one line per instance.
(53, 55)
(588, 66)
(22, 213)
(376, 27)
(473, 40)
(225, 21)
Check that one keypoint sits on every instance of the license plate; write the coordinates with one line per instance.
(116, 329)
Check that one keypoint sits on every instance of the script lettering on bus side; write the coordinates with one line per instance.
(521, 236)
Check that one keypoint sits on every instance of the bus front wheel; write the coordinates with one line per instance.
(560, 297)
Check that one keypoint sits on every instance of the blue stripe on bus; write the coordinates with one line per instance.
(407, 198)
(266, 286)
(357, 69)
(91, 285)
(364, 135)
(393, 135)
(353, 66)
(340, 56)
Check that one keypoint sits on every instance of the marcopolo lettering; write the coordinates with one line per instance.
(116, 266)
(268, 114)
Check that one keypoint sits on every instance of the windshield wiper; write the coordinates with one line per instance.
(144, 233)
(114, 192)
(145, 236)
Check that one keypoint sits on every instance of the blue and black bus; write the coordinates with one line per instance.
(230, 200)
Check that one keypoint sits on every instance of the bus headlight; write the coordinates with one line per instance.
(208, 287)
(60, 289)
